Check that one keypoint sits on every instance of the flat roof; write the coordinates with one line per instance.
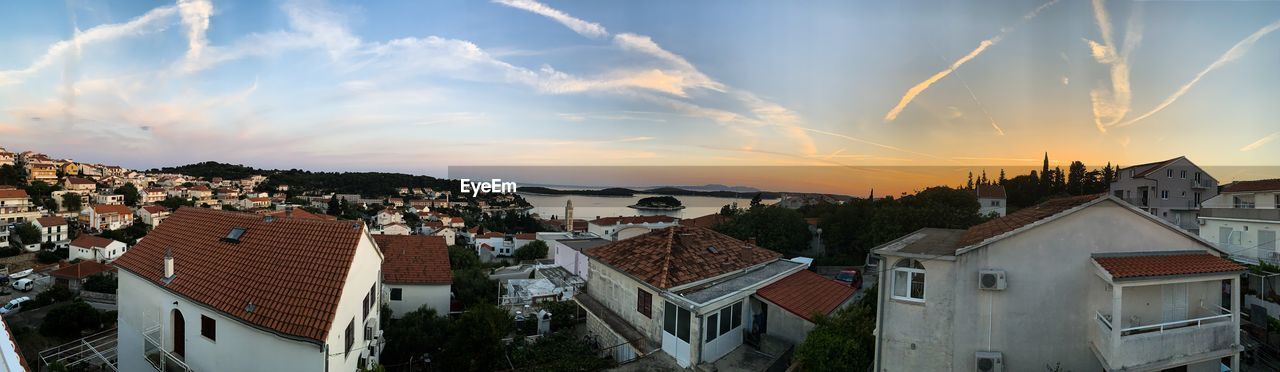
(704, 294)
(580, 244)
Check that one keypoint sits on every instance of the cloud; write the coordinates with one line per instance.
(982, 46)
(1111, 106)
(152, 21)
(1260, 142)
(195, 16)
(1238, 50)
(584, 28)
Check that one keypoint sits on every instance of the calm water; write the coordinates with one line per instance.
(589, 207)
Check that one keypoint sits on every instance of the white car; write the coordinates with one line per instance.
(23, 284)
(14, 306)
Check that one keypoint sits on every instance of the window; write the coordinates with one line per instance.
(676, 321)
(712, 323)
(669, 319)
(1168, 173)
(1164, 194)
(644, 302)
(208, 328)
(1182, 174)
(737, 314)
(726, 319)
(908, 281)
(395, 294)
(995, 203)
(351, 337)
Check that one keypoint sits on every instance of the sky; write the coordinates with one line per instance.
(420, 86)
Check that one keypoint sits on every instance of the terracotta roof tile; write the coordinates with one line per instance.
(1252, 186)
(805, 293)
(1154, 265)
(1022, 217)
(609, 221)
(1150, 167)
(155, 209)
(292, 269)
(710, 220)
(13, 193)
(81, 270)
(52, 221)
(677, 255)
(111, 208)
(80, 181)
(990, 191)
(91, 241)
(414, 259)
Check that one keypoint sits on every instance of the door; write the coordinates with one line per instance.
(1175, 302)
(675, 333)
(1267, 244)
(179, 334)
(1223, 234)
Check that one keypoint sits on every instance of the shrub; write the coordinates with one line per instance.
(71, 320)
(47, 257)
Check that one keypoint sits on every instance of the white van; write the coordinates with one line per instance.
(14, 306)
(23, 284)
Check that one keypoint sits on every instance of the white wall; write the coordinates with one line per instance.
(570, 259)
(366, 271)
(413, 296)
(109, 253)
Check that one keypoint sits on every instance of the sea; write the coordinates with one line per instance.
(590, 207)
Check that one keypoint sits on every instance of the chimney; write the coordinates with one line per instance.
(748, 250)
(288, 211)
(168, 263)
(686, 240)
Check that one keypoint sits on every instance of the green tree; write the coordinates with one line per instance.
(472, 286)
(70, 320)
(534, 250)
(773, 227)
(101, 284)
(130, 193)
(28, 233)
(173, 202)
(475, 342)
(72, 201)
(416, 334)
(556, 352)
(842, 341)
(12, 175)
(461, 257)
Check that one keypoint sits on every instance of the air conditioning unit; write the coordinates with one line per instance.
(989, 361)
(991, 280)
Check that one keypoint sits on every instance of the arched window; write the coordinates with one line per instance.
(908, 281)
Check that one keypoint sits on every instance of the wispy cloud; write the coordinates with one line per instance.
(1260, 142)
(982, 46)
(1238, 50)
(195, 16)
(153, 21)
(1111, 106)
(584, 28)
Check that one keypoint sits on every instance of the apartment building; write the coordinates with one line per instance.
(15, 206)
(213, 290)
(1088, 283)
(415, 273)
(1172, 189)
(619, 228)
(54, 230)
(1244, 220)
(104, 217)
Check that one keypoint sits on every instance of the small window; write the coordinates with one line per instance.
(351, 337)
(208, 328)
(395, 294)
(644, 302)
(1164, 194)
(1182, 174)
(726, 319)
(1168, 173)
(234, 235)
(737, 314)
(908, 281)
(713, 321)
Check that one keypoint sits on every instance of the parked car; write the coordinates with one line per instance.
(23, 285)
(14, 305)
(850, 276)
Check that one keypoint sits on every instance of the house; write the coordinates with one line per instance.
(803, 295)
(708, 221)
(152, 195)
(73, 276)
(80, 185)
(116, 199)
(95, 248)
(70, 168)
(107, 216)
(1172, 189)
(1244, 219)
(567, 253)
(690, 292)
(152, 215)
(54, 230)
(4, 238)
(393, 229)
(619, 228)
(502, 245)
(396, 202)
(389, 216)
(415, 273)
(194, 294)
(1091, 282)
(15, 206)
(991, 200)
(199, 192)
(48, 173)
(437, 228)
(301, 213)
(255, 202)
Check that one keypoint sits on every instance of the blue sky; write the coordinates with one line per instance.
(418, 86)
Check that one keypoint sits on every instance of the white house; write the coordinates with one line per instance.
(437, 228)
(15, 206)
(389, 216)
(107, 216)
(108, 199)
(502, 245)
(152, 215)
(194, 294)
(1090, 282)
(1244, 220)
(619, 228)
(255, 202)
(393, 229)
(415, 273)
(991, 200)
(568, 253)
(95, 248)
(1172, 189)
(54, 230)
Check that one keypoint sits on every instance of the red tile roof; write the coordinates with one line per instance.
(13, 193)
(609, 221)
(81, 270)
(1156, 264)
(710, 220)
(990, 191)
(1150, 167)
(111, 208)
(526, 236)
(292, 270)
(80, 181)
(155, 209)
(414, 259)
(302, 213)
(677, 255)
(91, 241)
(1022, 217)
(1252, 186)
(805, 293)
(492, 234)
(51, 221)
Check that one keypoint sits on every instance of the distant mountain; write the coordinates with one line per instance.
(715, 187)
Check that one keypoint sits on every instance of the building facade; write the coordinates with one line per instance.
(1172, 189)
(1244, 220)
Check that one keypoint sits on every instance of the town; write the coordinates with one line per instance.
(1150, 267)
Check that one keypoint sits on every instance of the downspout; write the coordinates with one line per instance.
(880, 282)
(324, 351)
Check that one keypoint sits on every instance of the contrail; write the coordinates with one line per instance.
(973, 95)
(1232, 54)
(982, 46)
(1260, 142)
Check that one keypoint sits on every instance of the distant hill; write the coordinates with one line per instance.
(369, 184)
(715, 187)
(612, 191)
(619, 191)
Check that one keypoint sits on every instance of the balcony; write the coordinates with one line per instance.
(1242, 213)
(1165, 344)
(158, 356)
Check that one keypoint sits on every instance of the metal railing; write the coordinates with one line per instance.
(157, 355)
(1161, 327)
(98, 349)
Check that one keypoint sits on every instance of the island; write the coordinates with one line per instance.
(658, 203)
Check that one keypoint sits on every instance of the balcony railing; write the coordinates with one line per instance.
(1244, 214)
(158, 356)
(1146, 346)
